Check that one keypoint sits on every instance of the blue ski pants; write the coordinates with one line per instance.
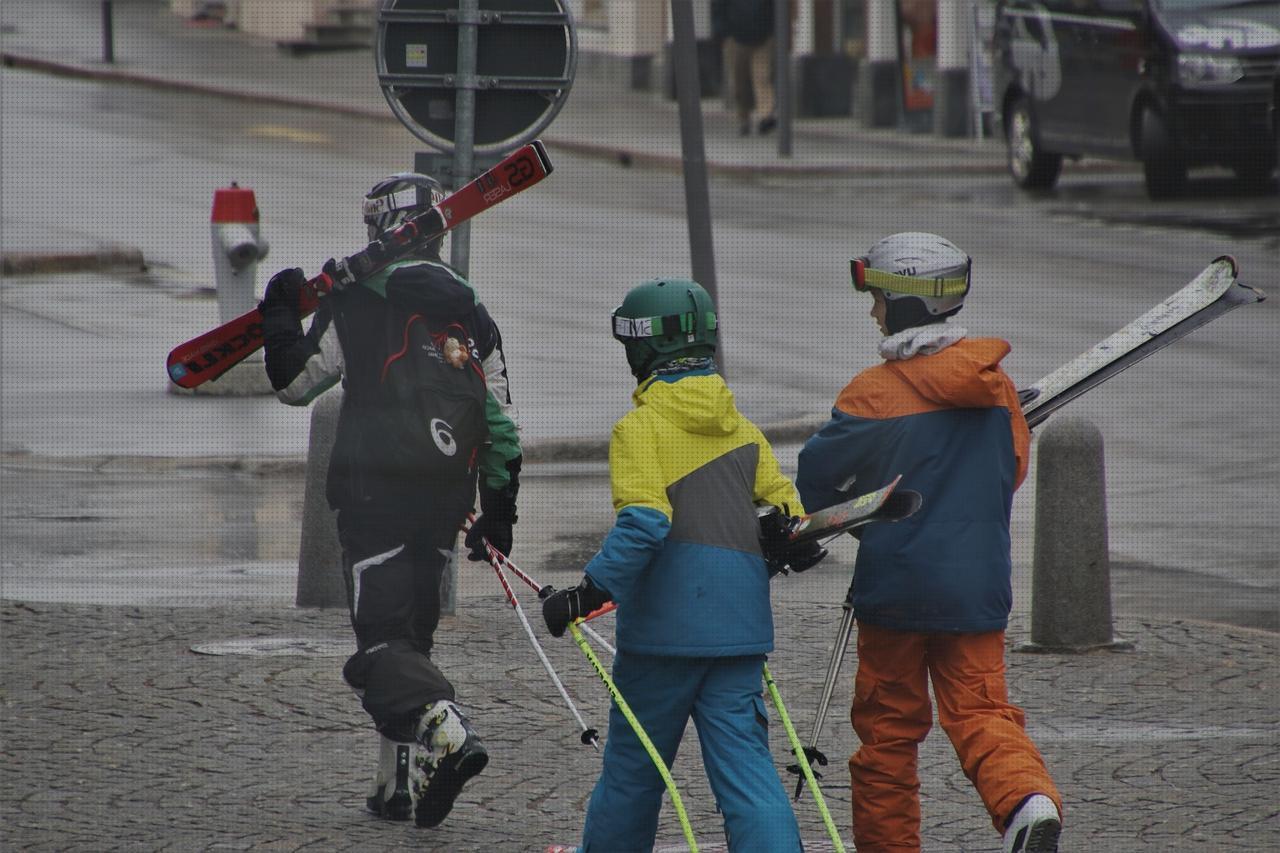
(723, 698)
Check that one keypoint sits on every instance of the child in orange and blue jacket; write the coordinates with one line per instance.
(932, 594)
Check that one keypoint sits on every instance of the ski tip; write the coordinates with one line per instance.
(543, 157)
(1235, 268)
(902, 504)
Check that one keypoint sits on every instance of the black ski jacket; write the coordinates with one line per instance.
(346, 342)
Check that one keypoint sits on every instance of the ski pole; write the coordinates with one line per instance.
(544, 591)
(589, 735)
(802, 757)
(640, 734)
(812, 753)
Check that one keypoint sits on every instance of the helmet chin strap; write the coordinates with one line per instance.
(907, 312)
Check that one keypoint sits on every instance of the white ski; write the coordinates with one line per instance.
(1211, 294)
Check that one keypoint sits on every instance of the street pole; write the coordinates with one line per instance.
(464, 123)
(693, 151)
(464, 126)
(782, 73)
(108, 34)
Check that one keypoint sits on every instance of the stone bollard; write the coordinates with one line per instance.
(951, 102)
(1071, 572)
(320, 579)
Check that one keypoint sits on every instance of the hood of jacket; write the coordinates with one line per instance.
(428, 287)
(698, 403)
(965, 374)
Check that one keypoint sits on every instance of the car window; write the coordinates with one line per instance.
(1120, 6)
(1183, 5)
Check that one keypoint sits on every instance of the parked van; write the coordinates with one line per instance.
(1173, 83)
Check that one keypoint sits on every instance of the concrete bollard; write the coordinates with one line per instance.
(951, 102)
(320, 577)
(884, 70)
(1071, 572)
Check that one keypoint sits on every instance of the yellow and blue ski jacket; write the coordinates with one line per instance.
(683, 560)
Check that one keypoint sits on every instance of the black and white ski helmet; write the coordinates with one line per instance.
(924, 277)
(397, 197)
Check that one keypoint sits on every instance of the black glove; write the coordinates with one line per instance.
(798, 558)
(284, 290)
(561, 608)
(497, 517)
(781, 555)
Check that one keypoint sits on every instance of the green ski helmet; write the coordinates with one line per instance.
(665, 319)
(924, 278)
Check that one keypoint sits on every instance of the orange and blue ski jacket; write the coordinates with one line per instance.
(683, 560)
(950, 423)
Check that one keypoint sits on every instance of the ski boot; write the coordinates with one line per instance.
(392, 793)
(1034, 827)
(453, 755)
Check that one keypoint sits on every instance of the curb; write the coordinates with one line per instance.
(544, 451)
(623, 156)
(100, 260)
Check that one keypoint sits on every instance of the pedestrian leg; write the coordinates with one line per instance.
(762, 71)
(740, 73)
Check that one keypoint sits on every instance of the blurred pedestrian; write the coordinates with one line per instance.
(746, 26)
(932, 594)
(684, 565)
(426, 411)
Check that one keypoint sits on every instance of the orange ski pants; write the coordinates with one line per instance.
(891, 714)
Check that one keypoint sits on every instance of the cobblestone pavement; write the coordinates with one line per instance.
(119, 737)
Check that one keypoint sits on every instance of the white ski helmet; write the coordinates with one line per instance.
(924, 277)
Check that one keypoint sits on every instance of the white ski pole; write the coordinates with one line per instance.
(589, 735)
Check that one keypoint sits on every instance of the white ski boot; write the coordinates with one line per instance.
(453, 755)
(392, 793)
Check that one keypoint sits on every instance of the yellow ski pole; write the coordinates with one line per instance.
(640, 733)
(798, 748)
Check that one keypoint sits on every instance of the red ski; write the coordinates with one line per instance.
(215, 352)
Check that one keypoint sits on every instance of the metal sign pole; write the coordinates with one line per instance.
(782, 74)
(464, 124)
(108, 34)
(692, 147)
(460, 237)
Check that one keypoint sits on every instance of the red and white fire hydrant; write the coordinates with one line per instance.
(237, 248)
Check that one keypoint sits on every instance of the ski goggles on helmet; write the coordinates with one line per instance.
(864, 277)
(639, 328)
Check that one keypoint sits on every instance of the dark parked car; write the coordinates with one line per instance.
(1173, 83)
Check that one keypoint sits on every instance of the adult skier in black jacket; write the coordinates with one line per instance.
(426, 413)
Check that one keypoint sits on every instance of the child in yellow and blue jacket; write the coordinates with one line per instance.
(684, 565)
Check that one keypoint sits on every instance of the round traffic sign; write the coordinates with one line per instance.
(526, 54)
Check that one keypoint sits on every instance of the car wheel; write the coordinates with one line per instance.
(1256, 173)
(1031, 166)
(1162, 164)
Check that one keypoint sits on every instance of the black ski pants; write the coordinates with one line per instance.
(393, 565)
